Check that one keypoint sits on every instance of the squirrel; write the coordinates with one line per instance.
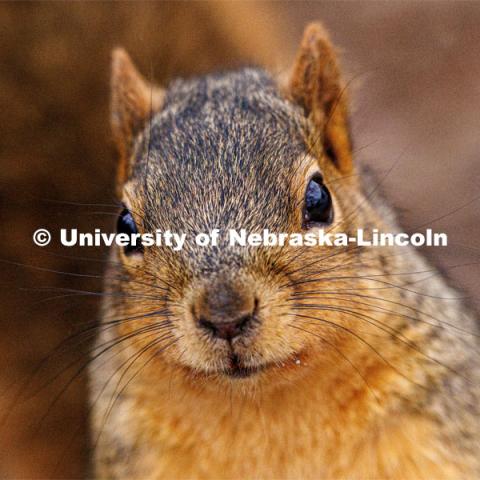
(272, 363)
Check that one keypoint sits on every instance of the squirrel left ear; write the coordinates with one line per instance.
(317, 86)
(133, 101)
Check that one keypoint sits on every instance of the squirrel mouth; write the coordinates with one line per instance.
(235, 368)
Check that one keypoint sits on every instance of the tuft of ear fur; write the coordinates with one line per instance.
(317, 86)
(133, 101)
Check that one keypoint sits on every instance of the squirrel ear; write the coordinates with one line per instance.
(317, 86)
(133, 101)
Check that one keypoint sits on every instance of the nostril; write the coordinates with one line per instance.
(207, 325)
(226, 330)
(244, 321)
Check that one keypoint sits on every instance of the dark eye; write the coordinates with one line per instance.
(318, 202)
(126, 224)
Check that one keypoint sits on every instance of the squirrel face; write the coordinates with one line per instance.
(234, 151)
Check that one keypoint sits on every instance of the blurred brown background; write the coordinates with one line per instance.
(415, 75)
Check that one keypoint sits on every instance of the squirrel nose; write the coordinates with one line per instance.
(225, 311)
(226, 330)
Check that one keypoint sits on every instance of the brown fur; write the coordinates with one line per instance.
(362, 376)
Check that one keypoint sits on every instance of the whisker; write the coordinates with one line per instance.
(390, 330)
(359, 338)
(118, 395)
(440, 324)
(370, 388)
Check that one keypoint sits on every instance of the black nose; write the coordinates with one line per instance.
(224, 308)
(226, 330)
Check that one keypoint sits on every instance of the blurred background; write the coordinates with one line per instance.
(414, 73)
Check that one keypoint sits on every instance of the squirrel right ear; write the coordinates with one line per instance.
(317, 86)
(133, 101)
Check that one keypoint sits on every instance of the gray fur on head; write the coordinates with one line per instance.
(221, 154)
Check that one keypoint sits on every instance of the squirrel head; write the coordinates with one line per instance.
(235, 150)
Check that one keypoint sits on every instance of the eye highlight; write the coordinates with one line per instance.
(318, 203)
(126, 224)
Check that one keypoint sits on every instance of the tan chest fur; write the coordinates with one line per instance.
(323, 426)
